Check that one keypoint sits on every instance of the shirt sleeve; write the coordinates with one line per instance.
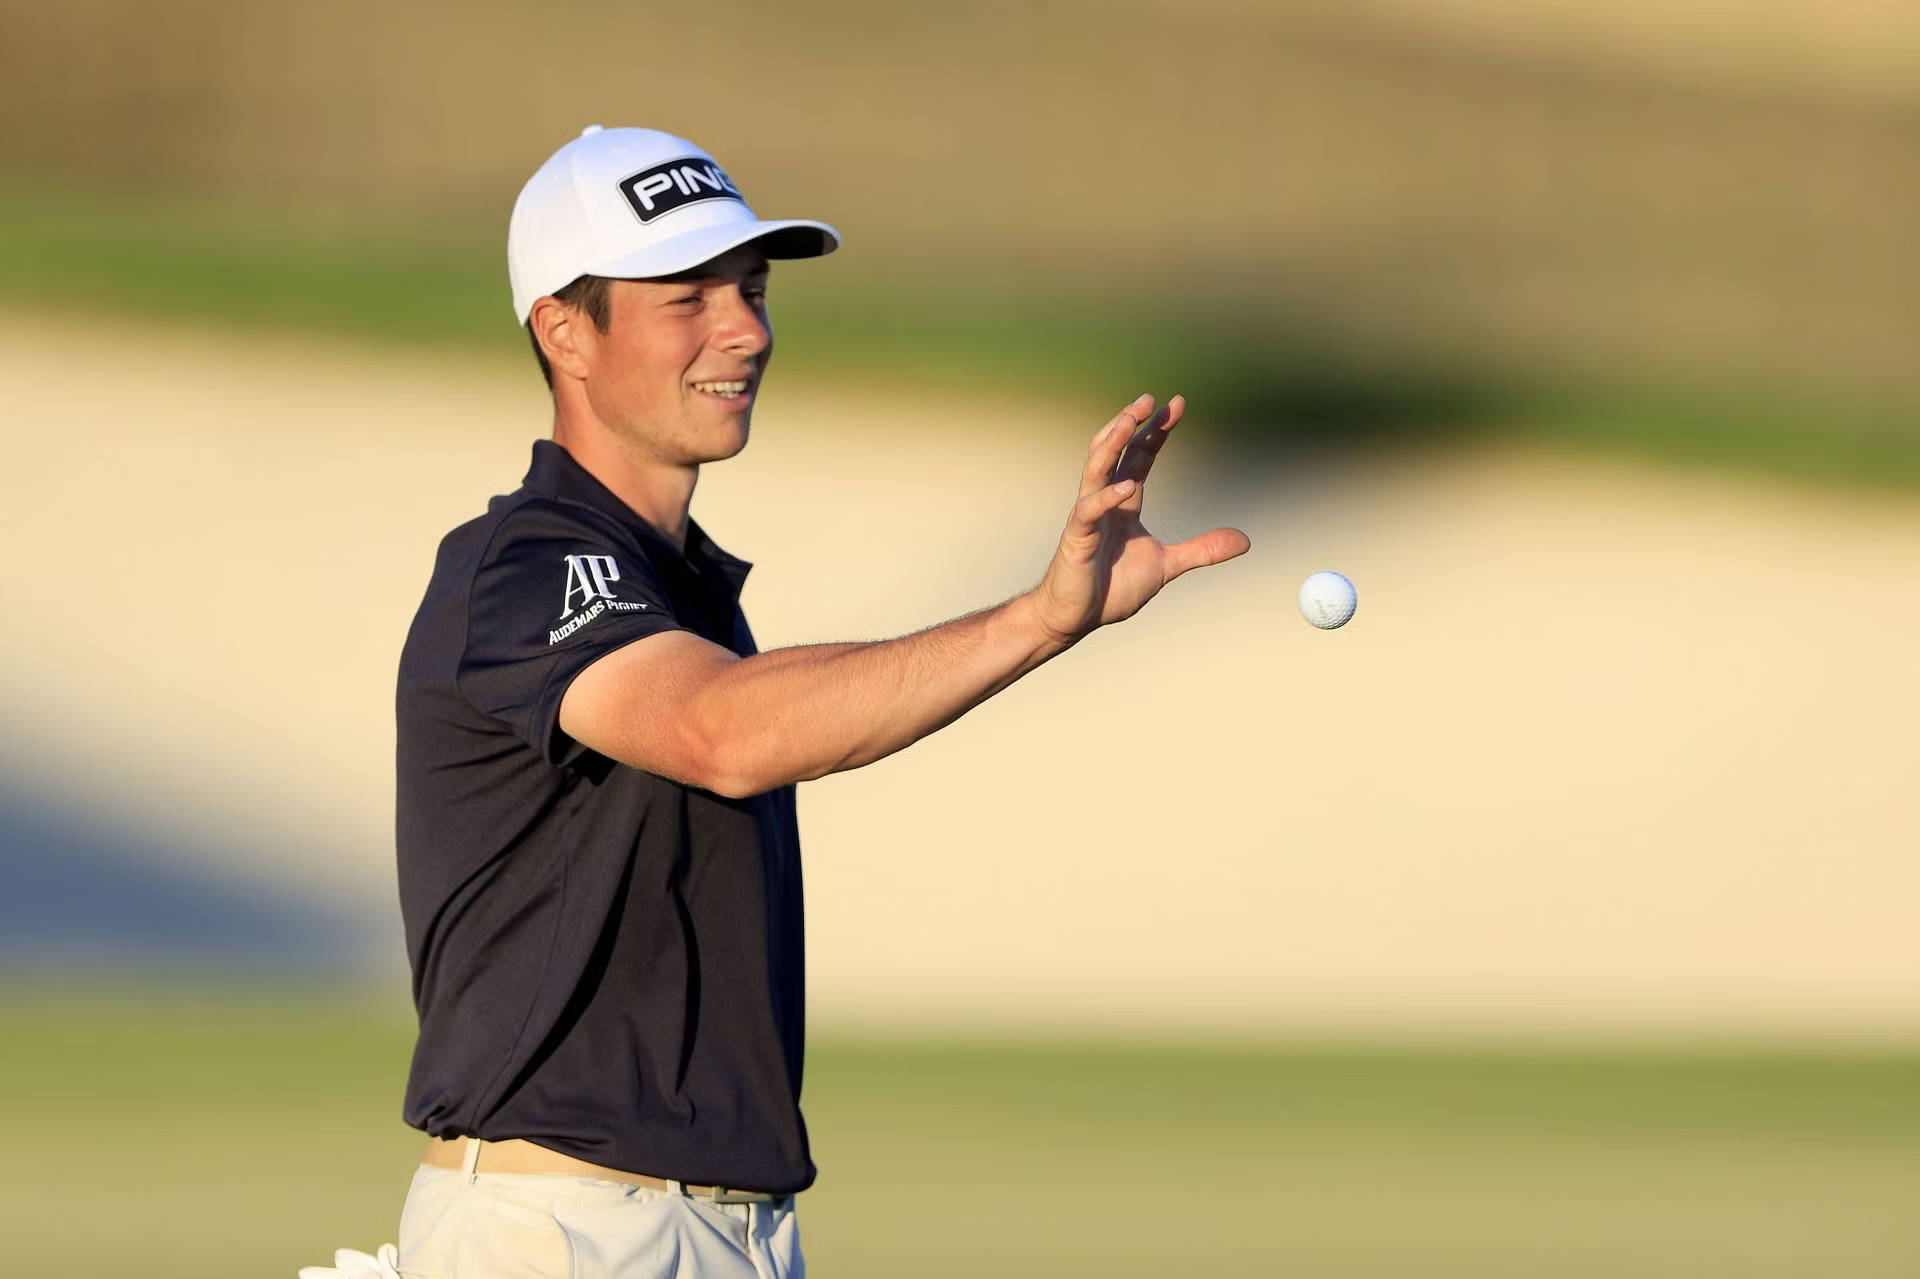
(557, 589)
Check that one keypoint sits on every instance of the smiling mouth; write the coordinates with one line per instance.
(725, 390)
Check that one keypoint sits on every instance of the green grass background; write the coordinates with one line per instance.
(247, 1133)
(1255, 373)
(1329, 224)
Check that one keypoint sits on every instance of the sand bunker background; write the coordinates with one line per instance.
(1605, 747)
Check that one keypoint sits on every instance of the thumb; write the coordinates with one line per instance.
(1213, 547)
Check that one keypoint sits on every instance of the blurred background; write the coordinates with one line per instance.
(1552, 918)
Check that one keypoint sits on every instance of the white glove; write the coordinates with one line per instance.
(348, 1264)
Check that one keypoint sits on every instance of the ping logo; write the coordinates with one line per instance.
(591, 577)
(665, 187)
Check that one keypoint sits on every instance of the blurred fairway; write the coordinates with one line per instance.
(1648, 229)
(1265, 375)
(245, 1135)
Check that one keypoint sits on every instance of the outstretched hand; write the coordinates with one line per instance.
(1107, 565)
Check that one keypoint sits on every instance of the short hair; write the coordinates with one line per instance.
(592, 294)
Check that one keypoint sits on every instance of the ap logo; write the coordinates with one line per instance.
(591, 577)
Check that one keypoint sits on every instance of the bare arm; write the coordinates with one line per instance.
(679, 706)
(741, 726)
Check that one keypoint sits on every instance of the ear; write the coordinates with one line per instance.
(564, 333)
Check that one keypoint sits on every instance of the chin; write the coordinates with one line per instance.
(722, 445)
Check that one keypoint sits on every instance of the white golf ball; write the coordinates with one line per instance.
(1327, 599)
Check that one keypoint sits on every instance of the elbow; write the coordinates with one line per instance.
(733, 781)
(729, 783)
(731, 767)
(742, 768)
(738, 757)
(739, 780)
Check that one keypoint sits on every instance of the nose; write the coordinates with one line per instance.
(741, 329)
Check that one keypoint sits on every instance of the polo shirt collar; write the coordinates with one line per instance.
(555, 473)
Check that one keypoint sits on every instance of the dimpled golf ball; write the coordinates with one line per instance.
(1327, 599)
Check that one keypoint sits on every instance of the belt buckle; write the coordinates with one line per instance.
(726, 1195)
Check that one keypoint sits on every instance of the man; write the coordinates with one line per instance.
(598, 855)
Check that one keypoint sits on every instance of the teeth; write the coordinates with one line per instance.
(721, 388)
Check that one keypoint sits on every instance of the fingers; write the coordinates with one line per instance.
(1213, 547)
(1136, 461)
(1108, 443)
(1090, 509)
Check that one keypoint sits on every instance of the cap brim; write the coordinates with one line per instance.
(783, 239)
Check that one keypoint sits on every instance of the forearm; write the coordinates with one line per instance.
(798, 713)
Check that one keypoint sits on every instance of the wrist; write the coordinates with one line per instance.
(1027, 620)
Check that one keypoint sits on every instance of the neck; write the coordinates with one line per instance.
(659, 493)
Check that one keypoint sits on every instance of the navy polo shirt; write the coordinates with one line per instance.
(605, 962)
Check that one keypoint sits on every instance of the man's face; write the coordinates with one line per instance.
(678, 368)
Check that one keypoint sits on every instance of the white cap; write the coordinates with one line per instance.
(634, 204)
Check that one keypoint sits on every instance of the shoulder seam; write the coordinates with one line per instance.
(522, 499)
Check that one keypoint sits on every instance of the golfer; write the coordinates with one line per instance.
(599, 862)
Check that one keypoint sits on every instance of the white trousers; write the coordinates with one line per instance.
(538, 1225)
